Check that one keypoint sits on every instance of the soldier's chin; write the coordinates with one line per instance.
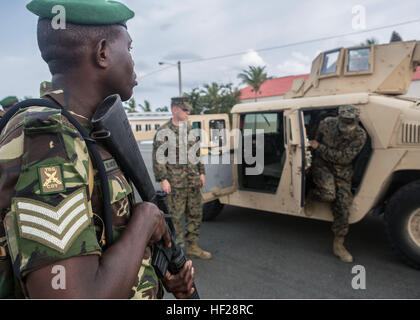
(346, 131)
(126, 95)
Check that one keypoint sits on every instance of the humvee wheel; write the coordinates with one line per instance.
(211, 210)
(402, 218)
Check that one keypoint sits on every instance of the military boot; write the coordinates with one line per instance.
(194, 251)
(340, 251)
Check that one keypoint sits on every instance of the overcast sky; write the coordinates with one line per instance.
(189, 30)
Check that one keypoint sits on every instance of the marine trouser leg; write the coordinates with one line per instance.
(341, 207)
(177, 203)
(194, 215)
(325, 183)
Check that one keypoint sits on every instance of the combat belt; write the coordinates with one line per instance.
(112, 128)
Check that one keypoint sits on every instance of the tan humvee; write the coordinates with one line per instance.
(387, 171)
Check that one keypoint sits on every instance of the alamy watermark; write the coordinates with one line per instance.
(359, 280)
(359, 17)
(59, 20)
(58, 282)
(191, 148)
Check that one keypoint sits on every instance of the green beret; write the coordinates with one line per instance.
(85, 12)
(9, 101)
(182, 102)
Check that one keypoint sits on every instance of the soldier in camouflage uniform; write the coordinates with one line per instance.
(7, 103)
(51, 207)
(181, 180)
(337, 143)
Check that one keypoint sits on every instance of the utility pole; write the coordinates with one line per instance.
(180, 78)
(179, 74)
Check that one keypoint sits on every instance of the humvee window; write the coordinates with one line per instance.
(274, 151)
(215, 127)
(329, 65)
(358, 60)
(267, 122)
(249, 124)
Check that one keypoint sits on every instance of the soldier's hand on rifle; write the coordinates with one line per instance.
(181, 284)
(154, 216)
(203, 180)
(166, 186)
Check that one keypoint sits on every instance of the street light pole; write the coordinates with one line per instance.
(180, 78)
(179, 74)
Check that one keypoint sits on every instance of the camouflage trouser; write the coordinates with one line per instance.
(336, 190)
(188, 201)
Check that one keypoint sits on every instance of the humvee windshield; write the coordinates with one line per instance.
(216, 127)
(196, 125)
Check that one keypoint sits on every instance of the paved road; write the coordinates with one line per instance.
(261, 255)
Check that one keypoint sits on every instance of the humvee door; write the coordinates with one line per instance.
(297, 148)
(215, 154)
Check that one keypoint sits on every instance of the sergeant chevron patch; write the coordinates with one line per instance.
(54, 227)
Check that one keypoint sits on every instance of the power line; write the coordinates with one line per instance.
(289, 45)
(304, 42)
(156, 71)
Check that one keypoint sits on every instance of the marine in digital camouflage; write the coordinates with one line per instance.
(188, 201)
(332, 170)
(178, 174)
(185, 197)
(45, 227)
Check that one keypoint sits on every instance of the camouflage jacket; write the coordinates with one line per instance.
(337, 150)
(180, 171)
(47, 211)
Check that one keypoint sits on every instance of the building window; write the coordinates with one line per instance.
(157, 126)
(148, 127)
(138, 127)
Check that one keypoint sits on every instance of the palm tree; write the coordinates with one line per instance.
(370, 41)
(254, 77)
(131, 106)
(146, 106)
(395, 37)
(162, 109)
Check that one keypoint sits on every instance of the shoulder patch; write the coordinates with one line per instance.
(54, 227)
(51, 179)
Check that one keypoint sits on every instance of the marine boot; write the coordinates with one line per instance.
(194, 251)
(340, 251)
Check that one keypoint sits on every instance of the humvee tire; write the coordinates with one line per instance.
(211, 210)
(402, 218)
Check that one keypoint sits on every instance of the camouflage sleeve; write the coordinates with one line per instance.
(45, 161)
(346, 155)
(159, 167)
(320, 131)
(200, 165)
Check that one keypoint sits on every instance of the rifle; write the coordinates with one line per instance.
(111, 126)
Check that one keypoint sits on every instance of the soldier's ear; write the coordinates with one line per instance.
(102, 53)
